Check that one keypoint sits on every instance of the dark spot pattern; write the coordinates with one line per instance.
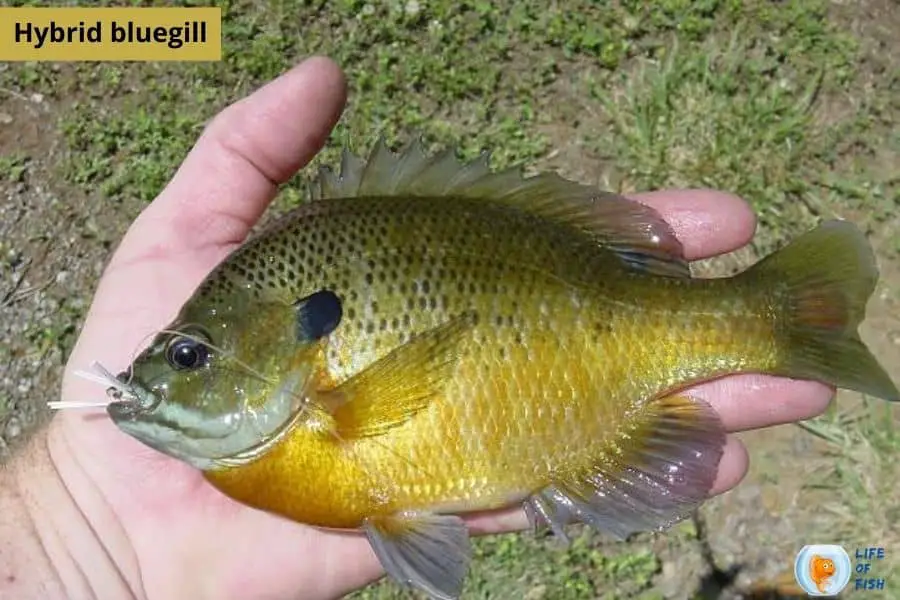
(400, 266)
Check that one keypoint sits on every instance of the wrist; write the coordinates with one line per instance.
(75, 546)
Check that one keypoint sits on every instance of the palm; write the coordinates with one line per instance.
(161, 502)
(171, 515)
(152, 493)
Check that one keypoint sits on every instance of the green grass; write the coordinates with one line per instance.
(12, 169)
(712, 93)
(713, 118)
(858, 476)
(682, 93)
(538, 568)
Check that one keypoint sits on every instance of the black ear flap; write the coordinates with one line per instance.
(318, 315)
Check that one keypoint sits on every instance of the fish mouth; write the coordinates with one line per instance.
(130, 398)
(124, 410)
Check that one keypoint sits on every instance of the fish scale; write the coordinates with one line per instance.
(466, 282)
(437, 437)
(426, 339)
(463, 273)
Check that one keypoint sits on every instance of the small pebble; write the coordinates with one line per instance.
(536, 593)
(13, 428)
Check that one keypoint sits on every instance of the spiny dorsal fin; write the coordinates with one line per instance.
(634, 231)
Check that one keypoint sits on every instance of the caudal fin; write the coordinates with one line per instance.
(827, 277)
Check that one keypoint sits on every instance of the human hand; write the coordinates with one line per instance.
(178, 536)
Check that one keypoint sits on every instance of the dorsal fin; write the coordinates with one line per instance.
(635, 232)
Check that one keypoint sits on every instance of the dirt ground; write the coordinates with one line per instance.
(54, 241)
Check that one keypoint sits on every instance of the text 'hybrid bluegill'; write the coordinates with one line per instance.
(427, 338)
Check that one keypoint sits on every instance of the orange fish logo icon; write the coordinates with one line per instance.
(821, 570)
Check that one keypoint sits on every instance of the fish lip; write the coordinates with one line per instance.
(124, 410)
(136, 401)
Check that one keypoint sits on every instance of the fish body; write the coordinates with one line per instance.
(426, 339)
(556, 353)
(821, 570)
(543, 378)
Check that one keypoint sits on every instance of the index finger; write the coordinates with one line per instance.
(706, 222)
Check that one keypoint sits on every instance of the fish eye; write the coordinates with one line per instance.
(185, 352)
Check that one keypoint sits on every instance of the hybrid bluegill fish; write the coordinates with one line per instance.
(427, 338)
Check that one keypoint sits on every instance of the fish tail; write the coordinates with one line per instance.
(826, 278)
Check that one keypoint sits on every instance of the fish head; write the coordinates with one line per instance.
(822, 567)
(220, 383)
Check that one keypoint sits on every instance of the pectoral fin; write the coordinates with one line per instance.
(427, 552)
(399, 385)
(656, 474)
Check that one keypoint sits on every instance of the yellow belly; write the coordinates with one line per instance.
(492, 436)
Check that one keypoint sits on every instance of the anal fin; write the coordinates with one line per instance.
(427, 552)
(542, 512)
(662, 468)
